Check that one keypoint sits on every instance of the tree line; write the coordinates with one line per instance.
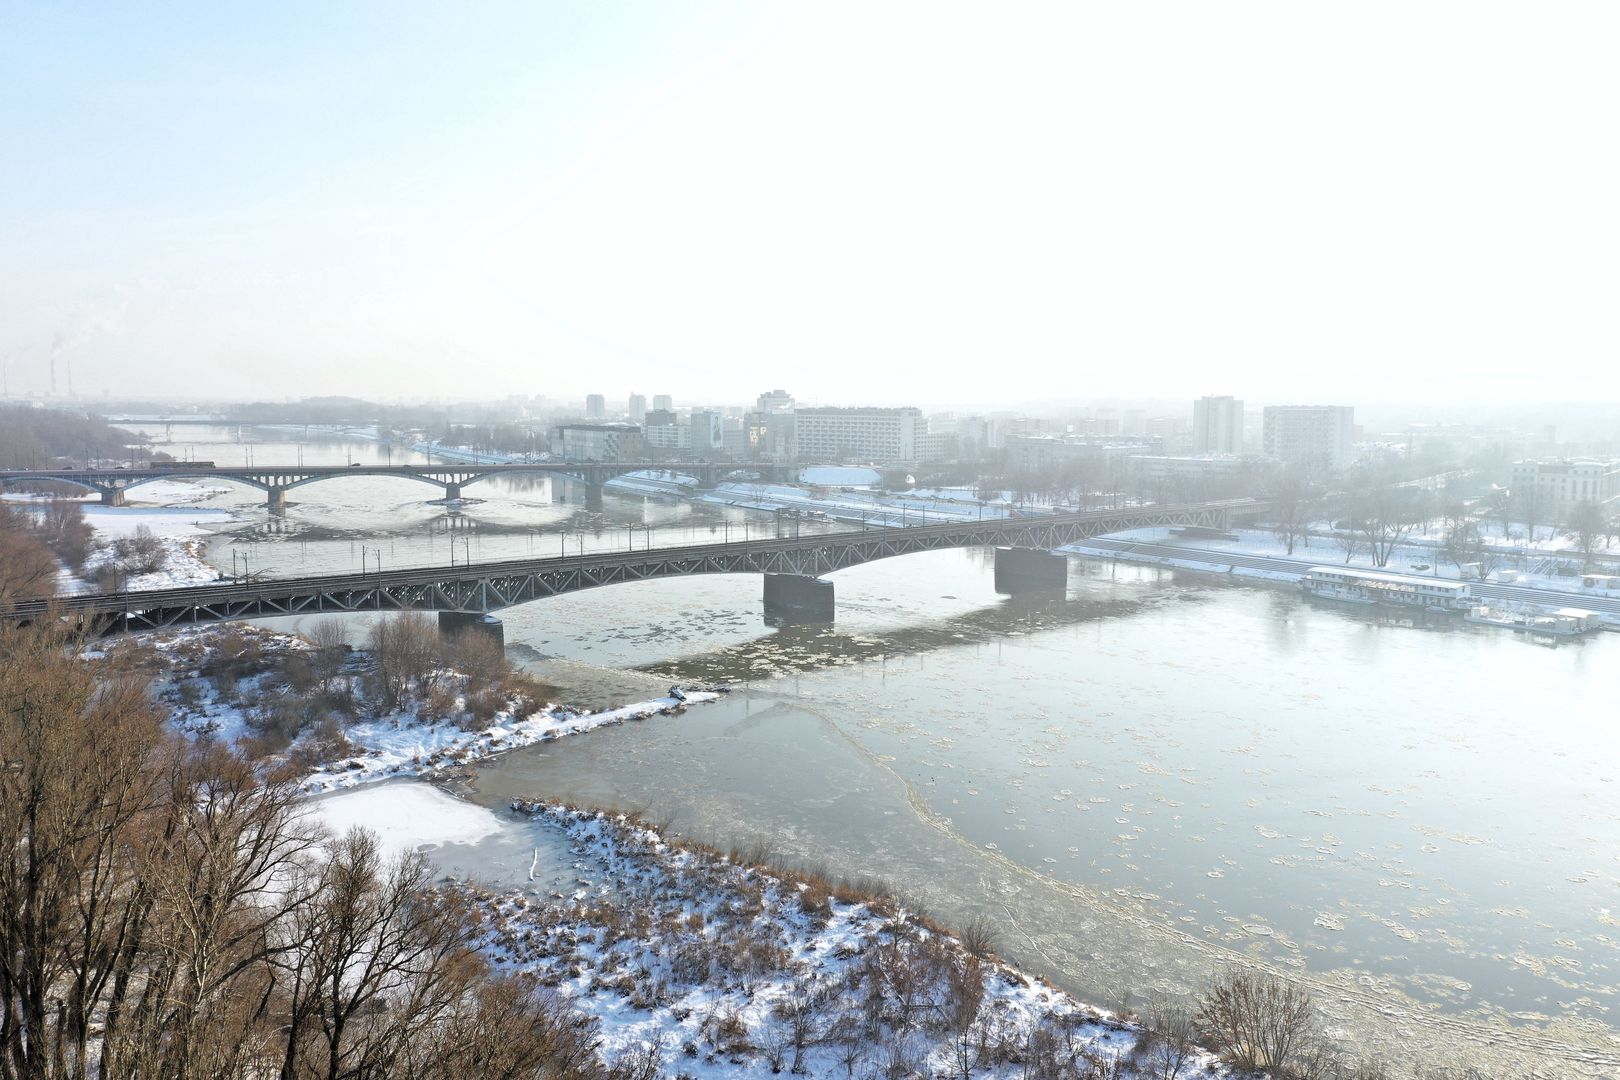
(167, 910)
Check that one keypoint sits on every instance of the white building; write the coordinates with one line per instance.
(595, 406)
(664, 402)
(1316, 436)
(1557, 487)
(597, 442)
(664, 431)
(638, 408)
(828, 435)
(1218, 425)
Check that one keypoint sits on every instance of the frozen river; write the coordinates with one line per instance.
(1149, 776)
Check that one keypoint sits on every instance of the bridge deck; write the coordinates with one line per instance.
(495, 585)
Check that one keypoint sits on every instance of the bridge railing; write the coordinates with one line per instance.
(965, 533)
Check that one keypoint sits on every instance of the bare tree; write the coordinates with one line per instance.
(1386, 516)
(1526, 506)
(1259, 1022)
(1168, 1046)
(1292, 508)
(330, 639)
(27, 568)
(1589, 524)
(405, 652)
(1466, 545)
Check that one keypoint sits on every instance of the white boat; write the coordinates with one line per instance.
(1357, 586)
(1557, 622)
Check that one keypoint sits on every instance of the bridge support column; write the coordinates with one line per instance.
(593, 496)
(453, 624)
(794, 598)
(112, 497)
(276, 500)
(1028, 570)
(452, 491)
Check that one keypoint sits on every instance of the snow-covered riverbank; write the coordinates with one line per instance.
(235, 684)
(700, 965)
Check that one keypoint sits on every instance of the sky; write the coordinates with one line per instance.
(932, 203)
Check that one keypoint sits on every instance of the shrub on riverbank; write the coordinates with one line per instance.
(282, 697)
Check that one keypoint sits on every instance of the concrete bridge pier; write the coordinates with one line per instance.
(1028, 570)
(276, 500)
(453, 624)
(112, 497)
(593, 495)
(797, 599)
(452, 491)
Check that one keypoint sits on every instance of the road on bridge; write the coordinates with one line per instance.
(484, 587)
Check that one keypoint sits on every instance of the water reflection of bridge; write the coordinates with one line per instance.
(792, 567)
(276, 480)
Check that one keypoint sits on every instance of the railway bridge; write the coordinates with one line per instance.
(792, 567)
(276, 480)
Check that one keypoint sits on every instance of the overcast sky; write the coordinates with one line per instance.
(868, 201)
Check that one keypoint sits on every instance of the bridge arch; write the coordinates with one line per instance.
(77, 484)
(180, 474)
(363, 471)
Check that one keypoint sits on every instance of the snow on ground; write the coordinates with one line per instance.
(840, 476)
(402, 745)
(406, 816)
(654, 483)
(866, 507)
(716, 969)
(178, 529)
(461, 453)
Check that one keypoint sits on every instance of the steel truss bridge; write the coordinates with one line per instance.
(277, 480)
(489, 587)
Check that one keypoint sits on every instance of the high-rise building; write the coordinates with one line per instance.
(884, 436)
(1218, 425)
(708, 433)
(595, 406)
(664, 402)
(1315, 436)
(638, 408)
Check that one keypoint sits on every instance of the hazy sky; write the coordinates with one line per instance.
(867, 201)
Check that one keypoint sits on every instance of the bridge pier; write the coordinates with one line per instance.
(795, 599)
(593, 496)
(112, 497)
(1028, 570)
(276, 500)
(453, 624)
(452, 491)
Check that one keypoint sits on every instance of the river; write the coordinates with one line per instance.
(1144, 777)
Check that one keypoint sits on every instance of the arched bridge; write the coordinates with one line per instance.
(791, 566)
(277, 480)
